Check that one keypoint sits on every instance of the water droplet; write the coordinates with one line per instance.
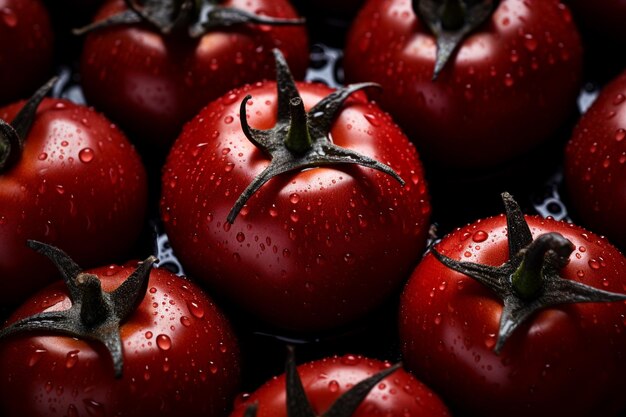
(42, 156)
(350, 360)
(508, 80)
(72, 411)
(228, 119)
(372, 119)
(294, 216)
(619, 99)
(94, 408)
(467, 254)
(349, 259)
(490, 341)
(86, 155)
(212, 368)
(530, 42)
(593, 264)
(185, 321)
(240, 237)
(333, 386)
(607, 162)
(480, 236)
(36, 357)
(71, 359)
(148, 335)
(437, 319)
(195, 309)
(620, 134)
(8, 17)
(294, 198)
(164, 342)
(273, 212)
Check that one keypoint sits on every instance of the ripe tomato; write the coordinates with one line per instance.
(328, 243)
(325, 380)
(161, 82)
(595, 164)
(78, 184)
(25, 48)
(510, 85)
(180, 357)
(449, 326)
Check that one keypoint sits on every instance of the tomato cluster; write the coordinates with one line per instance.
(299, 199)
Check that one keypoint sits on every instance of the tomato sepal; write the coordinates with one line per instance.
(95, 314)
(299, 139)
(451, 21)
(13, 135)
(197, 17)
(530, 280)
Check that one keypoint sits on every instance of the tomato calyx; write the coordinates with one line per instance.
(300, 140)
(530, 280)
(13, 135)
(298, 404)
(95, 314)
(196, 17)
(451, 21)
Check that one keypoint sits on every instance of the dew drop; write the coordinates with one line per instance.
(228, 119)
(593, 264)
(212, 368)
(294, 198)
(294, 216)
(148, 335)
(490, 341)
(480, 236)
(349, 259)
(36, 357)
(71, 359)
(372, 119)
(195, 309)
(619, 99)
(86, 155)
(508, 80)
(8, 17)
(530, 42)
(620, 134)
(333, 386)
(164, 342)
(42, 156)
(94, 408)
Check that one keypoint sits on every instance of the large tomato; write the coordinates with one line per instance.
(26, 41)
(509, 86)
(595, 164)
(180, 357)
(152, 83)
(449, 327)
(78, 184)
(312, 249)
(397, 395)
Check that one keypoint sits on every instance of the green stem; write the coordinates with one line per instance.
(298, 138)
(453, 15)
(528, 279)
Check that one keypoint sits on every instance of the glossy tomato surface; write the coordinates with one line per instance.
(311, 250)
(180, 358)
(595, 164)
(325, 380)
(152, 84)
(26, 44)
(78, 184)
(509, 87)
(449, 324)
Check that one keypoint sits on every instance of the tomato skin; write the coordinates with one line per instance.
(325, 380)
(79, 184)
(449, 323)
(508, 88)
(595, 164)
(180, 356)
(26, 48)
(330, 243)
(160, 83)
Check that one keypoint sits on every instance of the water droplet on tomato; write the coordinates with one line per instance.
(71, 359)
(228, 119)
(508, 80)
(195, 309)
(349, 259)
(212, 368)
(620, 134)
(86, 155)
(36, 356)
(619, 99)
(164, 342)
(42, 156)
(371, 119)
(94, 408)
(185, 321)
(530, 42)
(593, 264)
(240, 237)
(294, 198)
(490, 341)
(480, 236)
(9, 17)
(333, 386)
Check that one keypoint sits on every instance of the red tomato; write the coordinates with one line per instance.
(78, 184)
(180, 357)
(313, 249)
(595, 164)
(159, 82)
(449, 325)
(25, 48)
(509, 86)
(324, 381)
